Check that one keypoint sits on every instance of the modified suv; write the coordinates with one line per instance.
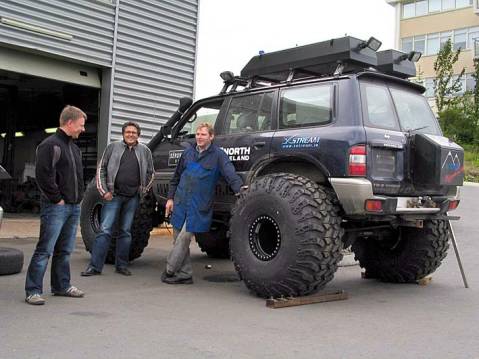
(337, 149)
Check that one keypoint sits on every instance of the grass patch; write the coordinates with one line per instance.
(471, 163)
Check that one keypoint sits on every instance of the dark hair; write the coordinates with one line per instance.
(71, 113)
(130, 123)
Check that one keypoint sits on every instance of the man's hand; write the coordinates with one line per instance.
(108, 196)
(168, 207)
(242, 189)
(61, 203)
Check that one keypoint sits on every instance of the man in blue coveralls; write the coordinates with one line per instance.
(190, 199)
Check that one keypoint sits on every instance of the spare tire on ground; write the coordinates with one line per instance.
(90, 220)
(406, 254)
(215, 242)
(286, 236)
(11, 261)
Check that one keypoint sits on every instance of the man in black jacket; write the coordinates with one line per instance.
(59, 175)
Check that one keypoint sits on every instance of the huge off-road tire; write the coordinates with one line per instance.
(11, 261)
(90, 220)
(285, 236)
(215, 242)
(405, 256)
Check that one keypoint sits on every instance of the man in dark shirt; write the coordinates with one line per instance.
(124, 172)
(59, 175)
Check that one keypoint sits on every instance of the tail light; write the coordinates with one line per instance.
(453, 204)
(373, 205)
(357, 161)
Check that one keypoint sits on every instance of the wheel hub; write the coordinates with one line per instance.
(264, 238)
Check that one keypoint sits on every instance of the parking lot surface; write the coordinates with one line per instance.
(216, 317)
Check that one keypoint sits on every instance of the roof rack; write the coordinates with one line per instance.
(327, 58)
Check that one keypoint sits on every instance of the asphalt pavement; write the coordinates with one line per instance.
(216, 317)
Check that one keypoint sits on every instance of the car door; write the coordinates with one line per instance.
(167, 154)
(245, 134)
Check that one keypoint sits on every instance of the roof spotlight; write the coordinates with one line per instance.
(413, 56)
(372, 43)
(227, 76)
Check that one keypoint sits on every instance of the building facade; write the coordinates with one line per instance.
(426, 25)
(118, 60)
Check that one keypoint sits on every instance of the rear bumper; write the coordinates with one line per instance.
(353, 192)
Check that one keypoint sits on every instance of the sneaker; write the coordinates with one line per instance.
(35, 299)
(89, 272)
(72, 292)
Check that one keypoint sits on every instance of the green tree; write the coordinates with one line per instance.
(445, 86)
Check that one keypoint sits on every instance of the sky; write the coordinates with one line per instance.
(232, 31)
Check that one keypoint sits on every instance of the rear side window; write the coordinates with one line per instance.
(306, 106)
(379, 107)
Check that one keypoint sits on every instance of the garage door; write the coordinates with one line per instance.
(42, 66)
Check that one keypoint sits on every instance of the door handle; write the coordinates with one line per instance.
(259, 144)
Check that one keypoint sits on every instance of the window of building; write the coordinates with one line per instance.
(448, 4)
(421, 7)
(447, 35)
(409, 10)
(460, 39)
(463, 3)
(470, 82)
(420, 43)
(306, 106)
(407, 44)
(434, 5)
(429, 85)
(432, 44)
(473, 35)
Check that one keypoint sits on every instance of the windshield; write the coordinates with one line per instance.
(414, 112)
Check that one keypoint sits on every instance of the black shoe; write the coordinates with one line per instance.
(123, 271)
(166, 274)
(89, 272)
(176, 280)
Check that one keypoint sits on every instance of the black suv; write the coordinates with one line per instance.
(337, 149)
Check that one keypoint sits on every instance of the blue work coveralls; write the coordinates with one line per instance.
(192, 187)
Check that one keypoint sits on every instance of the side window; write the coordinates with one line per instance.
(379, 107)
(306, 106)
(249, 113)
(207, 113)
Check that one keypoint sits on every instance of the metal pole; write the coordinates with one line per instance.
(458, 256)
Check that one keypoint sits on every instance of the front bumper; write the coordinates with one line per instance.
(353, 193)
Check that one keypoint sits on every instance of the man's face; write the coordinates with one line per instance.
(203, 138)
(130, 135)
(75, 127)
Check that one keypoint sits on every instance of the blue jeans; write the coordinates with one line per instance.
(122, 209)
(58, 228)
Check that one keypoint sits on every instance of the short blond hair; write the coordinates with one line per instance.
(208, 126)
(71, 113)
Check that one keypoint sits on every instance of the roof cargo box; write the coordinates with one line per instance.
(437, 161)
(316, 59)
(396, 63)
